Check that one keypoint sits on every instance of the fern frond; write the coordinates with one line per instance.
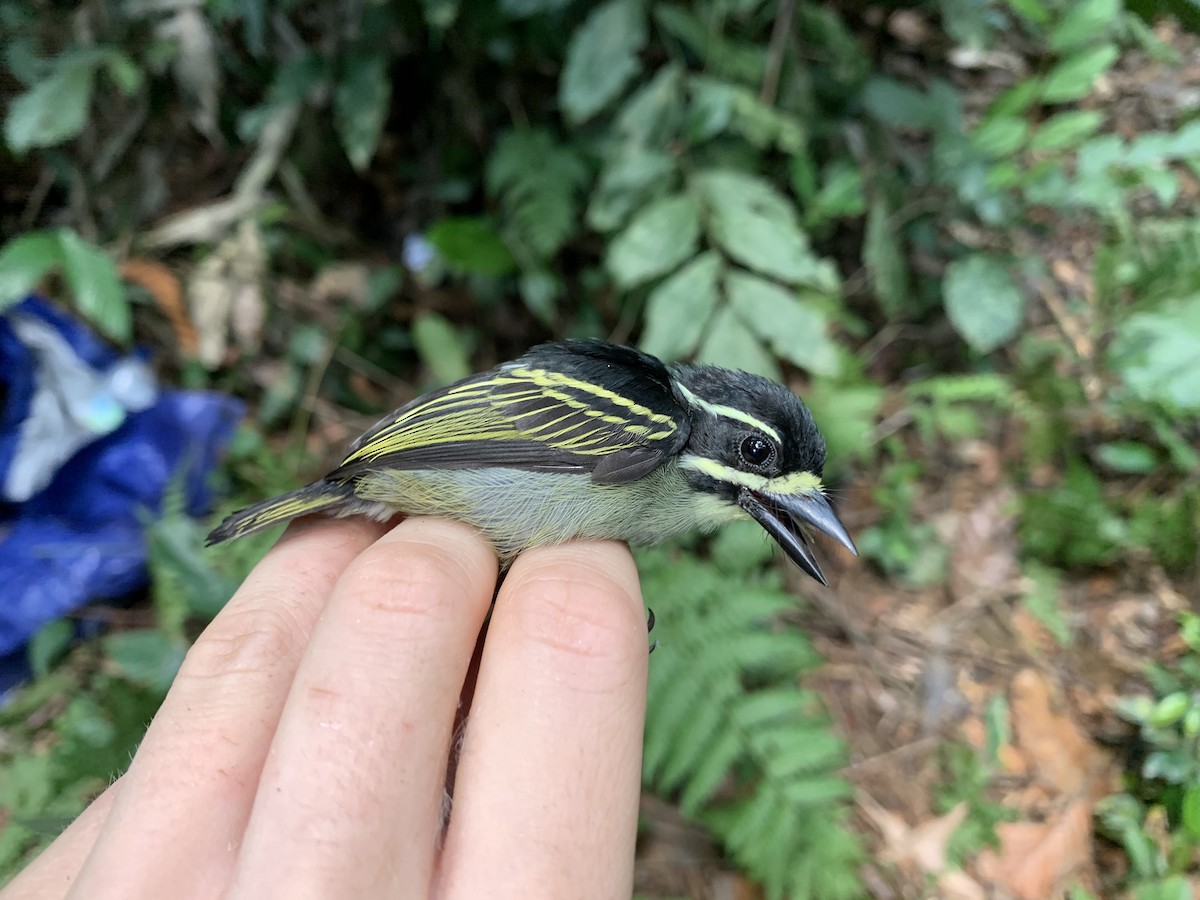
(733, 737)
(538, 182)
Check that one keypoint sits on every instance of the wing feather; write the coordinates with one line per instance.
(574, 406)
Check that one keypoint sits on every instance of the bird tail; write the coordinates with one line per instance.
(323, 496)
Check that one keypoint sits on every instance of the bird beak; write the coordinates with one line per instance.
(781, 516)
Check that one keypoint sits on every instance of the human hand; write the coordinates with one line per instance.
(302, 751)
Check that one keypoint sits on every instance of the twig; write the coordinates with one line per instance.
(779, 36)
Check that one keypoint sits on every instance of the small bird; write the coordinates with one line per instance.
(584, 439)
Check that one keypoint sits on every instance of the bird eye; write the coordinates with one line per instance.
(756, 451)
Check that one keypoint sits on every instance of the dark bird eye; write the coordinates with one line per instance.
(756, 451)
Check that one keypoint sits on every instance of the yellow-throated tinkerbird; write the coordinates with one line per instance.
(584, 439)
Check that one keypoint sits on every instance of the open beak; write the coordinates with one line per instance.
(781, 515)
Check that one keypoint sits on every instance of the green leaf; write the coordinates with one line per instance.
(895, 103)
(440, 348)
(1155, 355)
(757, 226)
(602, 58)
(982, 300)
(1033, 10)
(847, 413)
(660, 237)
(1066, 129)
(999, 136)
(1190, 811)
(49, 644)
(55, 109)
(795, 330)
(1128, 457)
(1042, 598)
(23, 263)
(627, 183)
(1072, 78)
(731, 344)
(680, 307)
(95, 286)
(885, 260)
(360, 107)
(145, 656)
(1083, 23)
(718, 106)
(651, 117)
(471, 244)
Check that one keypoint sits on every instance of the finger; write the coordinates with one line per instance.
(546, 796)
(189, 789)
(350, 800)
(51, 875)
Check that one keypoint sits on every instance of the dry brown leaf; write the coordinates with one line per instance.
(1059, 751)
(165, 289)
(1035, 858)
(923, 847)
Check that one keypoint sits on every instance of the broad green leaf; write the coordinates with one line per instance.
(731, 344)
(795, 330)
(145, 656)
(1017, 99)
(1129, 457)
(1072, 78)
(53, 110)
(95, 286)
(49, 644)
(1190, 809)
(1084, 22)
(680, 307)
(602, 58)
(360, 107)
(718, 106)
(885, 261)
(899, 105)
(653, 114)
(440, 348)
(982, 300)
(1000, 136)
(1033, 10)
(540, 290)
(757, 226)
(625, 184)
(1155, 354)
(1066, 129)
(471, 244)
(23, 263)
(660, 237)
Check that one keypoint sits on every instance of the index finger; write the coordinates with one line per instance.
(205, 748)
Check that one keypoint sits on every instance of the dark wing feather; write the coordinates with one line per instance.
(576, 406)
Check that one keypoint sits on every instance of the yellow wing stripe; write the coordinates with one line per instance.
(550, 379)
(476, 411)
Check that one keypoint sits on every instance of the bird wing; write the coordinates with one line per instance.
(575, 406)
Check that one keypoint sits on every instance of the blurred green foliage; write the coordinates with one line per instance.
(732, 181)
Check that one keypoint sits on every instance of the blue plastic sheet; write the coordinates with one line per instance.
(80, 538)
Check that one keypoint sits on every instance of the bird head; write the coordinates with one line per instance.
(754, 445)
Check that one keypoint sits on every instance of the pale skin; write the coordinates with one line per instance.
(302, 751)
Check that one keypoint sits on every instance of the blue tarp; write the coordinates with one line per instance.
(80, 537)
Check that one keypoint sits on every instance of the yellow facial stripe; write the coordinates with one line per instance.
(790, 484)
(729, 412)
